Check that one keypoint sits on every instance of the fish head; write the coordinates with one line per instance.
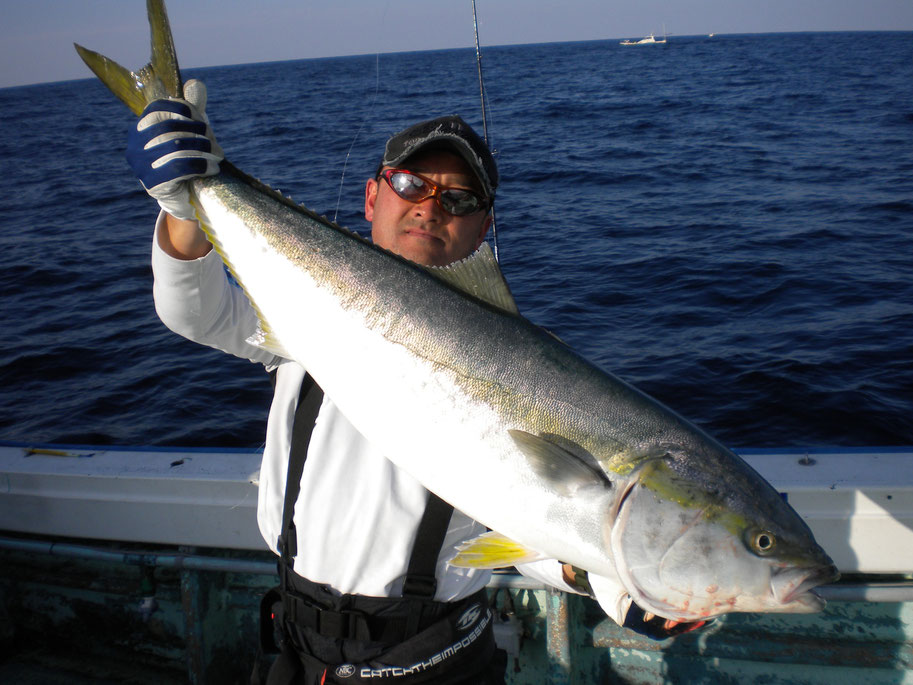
(691, 543)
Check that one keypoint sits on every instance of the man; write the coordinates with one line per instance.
(363, 546)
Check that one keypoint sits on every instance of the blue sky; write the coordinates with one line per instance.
(36, 37)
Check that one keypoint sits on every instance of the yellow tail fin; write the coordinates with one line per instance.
(161, 78)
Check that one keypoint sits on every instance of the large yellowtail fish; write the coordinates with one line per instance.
(560, 459)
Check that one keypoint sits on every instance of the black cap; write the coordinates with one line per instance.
(450, 131)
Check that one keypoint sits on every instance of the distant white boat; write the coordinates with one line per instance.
(648, 40)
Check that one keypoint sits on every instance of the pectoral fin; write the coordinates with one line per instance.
(493, 550)
(564, 471)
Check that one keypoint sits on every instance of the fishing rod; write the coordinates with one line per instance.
(475, 24)
(364, 121)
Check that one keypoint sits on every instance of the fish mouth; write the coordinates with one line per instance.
(797, 586)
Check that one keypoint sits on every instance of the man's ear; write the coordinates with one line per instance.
(484, 231)
(370, 198)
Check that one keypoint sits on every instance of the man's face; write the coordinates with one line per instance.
(424, 233)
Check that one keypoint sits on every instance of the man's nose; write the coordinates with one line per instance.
(430, 206)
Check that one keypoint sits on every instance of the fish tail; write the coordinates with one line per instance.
(161, 78)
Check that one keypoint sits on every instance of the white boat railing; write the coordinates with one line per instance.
(857, 501)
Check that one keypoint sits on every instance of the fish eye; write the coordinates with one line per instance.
(762, 542)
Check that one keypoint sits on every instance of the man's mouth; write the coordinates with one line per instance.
(421, 233)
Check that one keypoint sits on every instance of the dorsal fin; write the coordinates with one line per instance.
(480, 276)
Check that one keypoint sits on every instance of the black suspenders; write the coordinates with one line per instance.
(309, 400)
(420, 580)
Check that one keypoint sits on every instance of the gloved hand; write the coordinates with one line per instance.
(172, 143)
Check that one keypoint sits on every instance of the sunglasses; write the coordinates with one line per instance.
(415, 188)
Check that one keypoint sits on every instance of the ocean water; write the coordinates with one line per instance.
(726, 223)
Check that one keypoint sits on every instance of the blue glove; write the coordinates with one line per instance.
(171, 144)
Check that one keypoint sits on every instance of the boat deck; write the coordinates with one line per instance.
(142, 566)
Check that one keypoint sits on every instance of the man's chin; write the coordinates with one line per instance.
(425, 253)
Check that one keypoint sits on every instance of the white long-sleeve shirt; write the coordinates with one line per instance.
(357, 513)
